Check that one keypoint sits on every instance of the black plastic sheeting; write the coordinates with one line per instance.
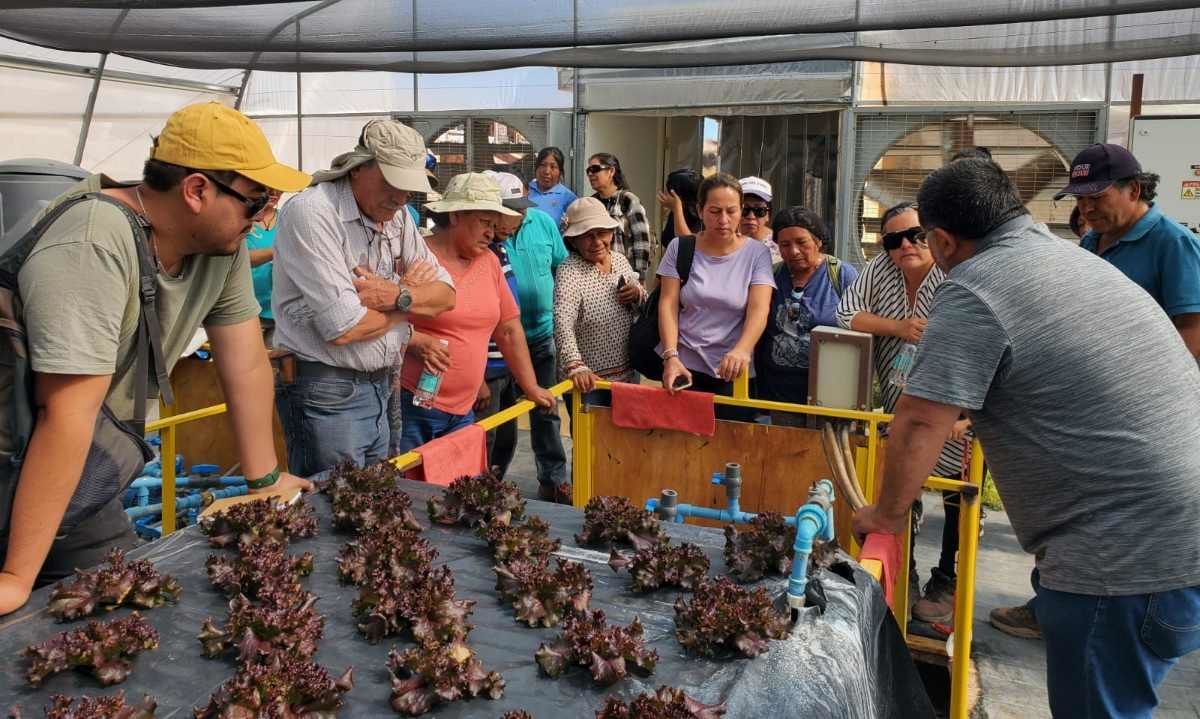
(849, 662)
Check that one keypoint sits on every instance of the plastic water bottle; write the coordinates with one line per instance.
(902, 365)
(429, 384)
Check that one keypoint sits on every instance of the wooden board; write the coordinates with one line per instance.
(779, 465)
(209, 440)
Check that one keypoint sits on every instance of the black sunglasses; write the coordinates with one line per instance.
(254, 205)
(758, 212)
(593, 169)
(915, 235)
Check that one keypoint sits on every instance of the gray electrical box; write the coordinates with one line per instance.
(26, 186)
(1166, 145)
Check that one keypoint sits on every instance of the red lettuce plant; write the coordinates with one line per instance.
(543, 596)
(256, 566)
(613, 519)
(658, 564)
(260, 521)
(424, 604)
(476, 501)
(525, 541)
(516, 714)
(103, 648)
(281, 622)
(88, 707)
(762, 547)
(666, 703)
(119, 582)
(368, 498)
(722, 616)
(284, 687)
(393, 549)
(608, 651)
(436, 674)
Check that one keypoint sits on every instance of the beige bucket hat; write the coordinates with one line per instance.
(399, 150)
(471, 191)
(584, 214)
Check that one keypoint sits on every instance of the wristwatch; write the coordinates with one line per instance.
(404, 299)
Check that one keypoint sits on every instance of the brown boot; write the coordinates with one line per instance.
(559, 494)
(1016, 621)
(936, 606)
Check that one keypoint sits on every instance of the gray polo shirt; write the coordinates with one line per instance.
(1085, 400)
(322, 237)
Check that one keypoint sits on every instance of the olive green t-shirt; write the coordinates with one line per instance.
(79, 291)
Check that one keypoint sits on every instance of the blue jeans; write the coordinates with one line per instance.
(422, 425)
(1106, 656)
(327, 421)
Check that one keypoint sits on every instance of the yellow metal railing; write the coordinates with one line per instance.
(166, 426)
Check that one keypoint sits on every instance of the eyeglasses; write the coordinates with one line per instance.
(593, 169)
(759, 212)
(914, 235)
(254, 205)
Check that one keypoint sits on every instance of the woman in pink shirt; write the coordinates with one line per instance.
(484, 309)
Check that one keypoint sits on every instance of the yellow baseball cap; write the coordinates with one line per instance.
(212, 136)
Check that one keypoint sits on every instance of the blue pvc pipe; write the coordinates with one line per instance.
(814, 519)
(189, 502)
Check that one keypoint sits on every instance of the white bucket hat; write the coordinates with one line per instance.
(584, 214)
(397, 148)
(471, 191)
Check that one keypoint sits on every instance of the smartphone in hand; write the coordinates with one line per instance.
(681, 382)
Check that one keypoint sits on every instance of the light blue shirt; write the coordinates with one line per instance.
(535, 251)
(553, 202)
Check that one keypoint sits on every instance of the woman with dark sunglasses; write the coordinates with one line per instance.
(632, 237)
(756, 214)
(891, 299)
(808, 286)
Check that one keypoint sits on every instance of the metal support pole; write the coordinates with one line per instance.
(90, 109)
(416, 101)
(241, 93)
(299, 124)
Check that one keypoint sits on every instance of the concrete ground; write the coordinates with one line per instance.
(1011, 670)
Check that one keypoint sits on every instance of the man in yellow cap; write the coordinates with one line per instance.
(122, 270)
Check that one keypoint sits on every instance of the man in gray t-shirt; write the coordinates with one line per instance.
(1084, 398)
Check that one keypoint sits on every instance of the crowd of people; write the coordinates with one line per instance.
(1075, 365)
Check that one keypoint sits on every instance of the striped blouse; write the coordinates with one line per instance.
(880, 291)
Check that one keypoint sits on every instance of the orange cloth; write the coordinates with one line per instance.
(884, 548)
(463, 452)
(636, 406)
(482, 301)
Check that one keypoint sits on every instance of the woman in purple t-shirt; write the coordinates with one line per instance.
(708, 330)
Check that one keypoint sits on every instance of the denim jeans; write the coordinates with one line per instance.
(327, 421)
(422, 424)
(1106, 656)
(545, 428)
